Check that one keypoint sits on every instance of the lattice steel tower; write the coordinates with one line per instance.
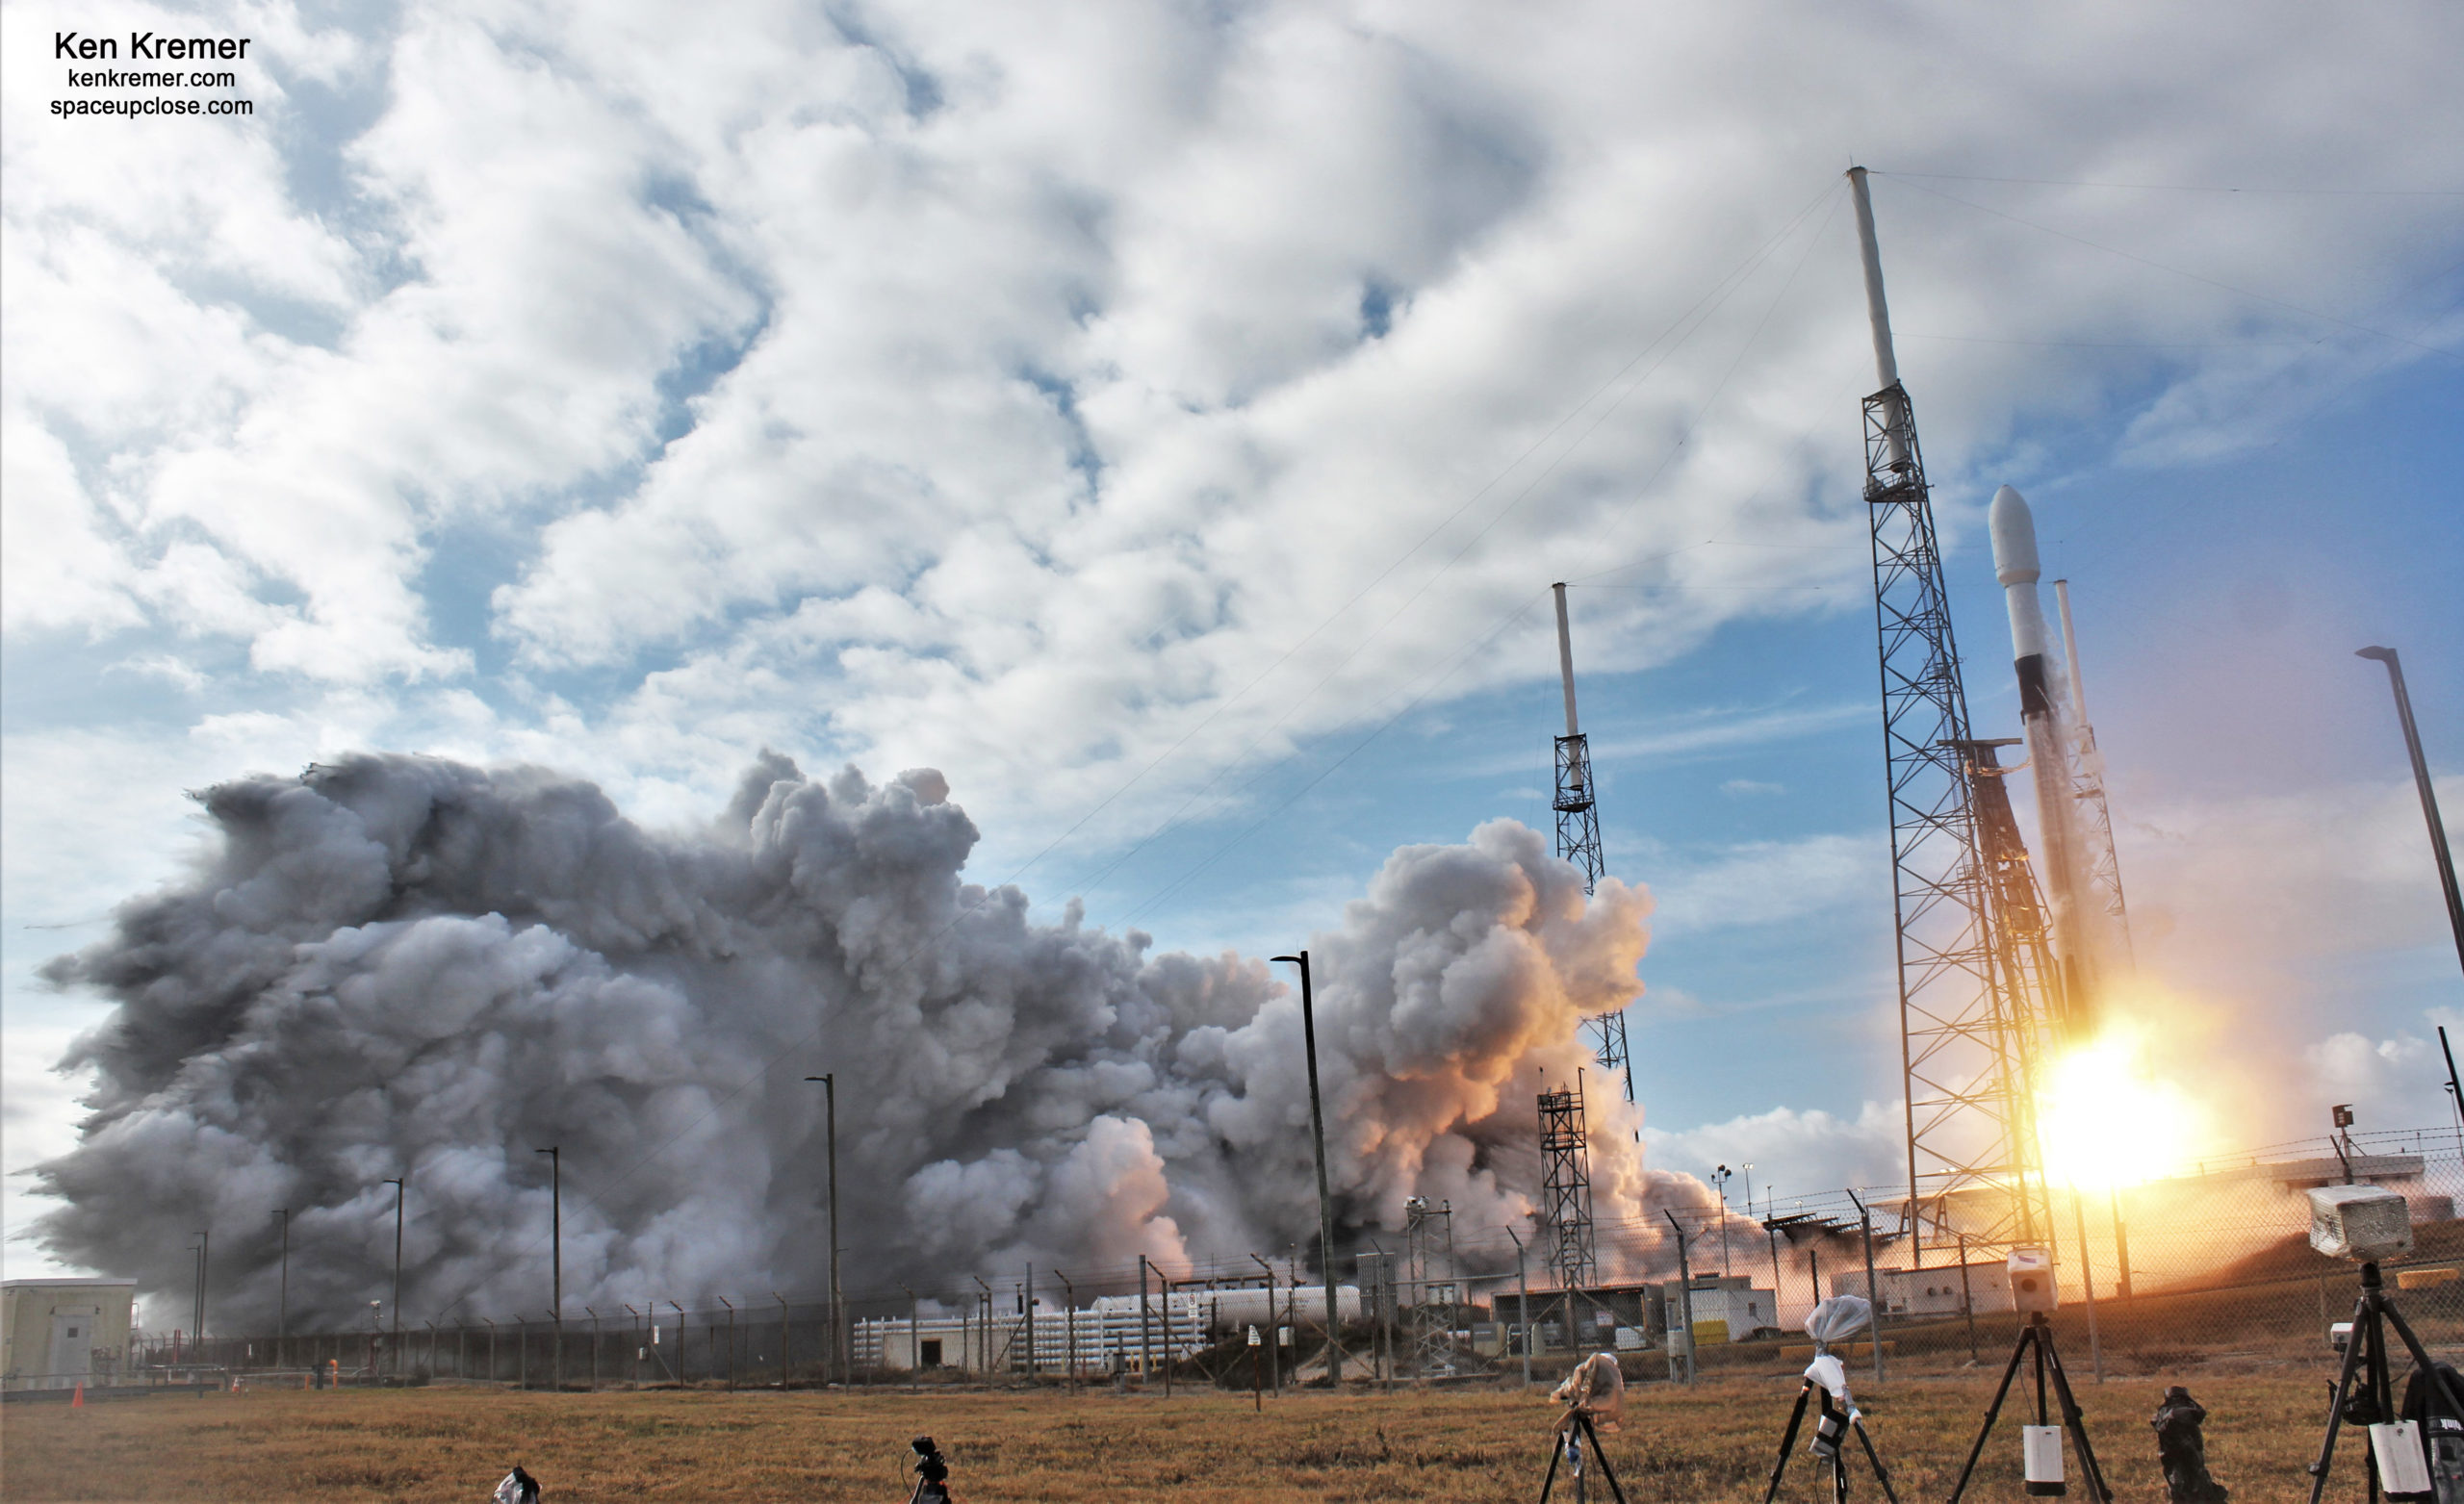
(1579, 842)
(1969, 1019)
(1566, 1188)
(1434, 1283)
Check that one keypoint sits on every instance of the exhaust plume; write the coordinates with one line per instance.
(400, 966)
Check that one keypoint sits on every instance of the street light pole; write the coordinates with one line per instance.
(838, 1319)
(394, 1345)
(282, 1305)
(556, 1267)
(2429, 797)
(1722, 1175)
(1325, 1203)
(1523, 1305)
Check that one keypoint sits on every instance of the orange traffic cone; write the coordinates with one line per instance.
(77, 1401)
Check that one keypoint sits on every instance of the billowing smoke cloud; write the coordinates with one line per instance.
(401, 966)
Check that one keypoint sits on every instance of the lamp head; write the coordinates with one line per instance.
(2376, 654)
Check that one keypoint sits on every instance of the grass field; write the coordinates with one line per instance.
(1714, 1443)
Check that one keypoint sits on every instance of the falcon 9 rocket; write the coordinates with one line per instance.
(2062, 854)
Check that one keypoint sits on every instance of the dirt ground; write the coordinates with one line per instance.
(1713, 1442)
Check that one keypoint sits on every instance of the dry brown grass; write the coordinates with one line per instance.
(1715, 1442)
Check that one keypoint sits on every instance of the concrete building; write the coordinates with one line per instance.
(54, 1333)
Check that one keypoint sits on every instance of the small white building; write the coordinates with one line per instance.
(57, 1334)
(1729, 1312)
(1932, 1292)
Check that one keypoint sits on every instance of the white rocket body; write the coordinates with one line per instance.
(2061, 849)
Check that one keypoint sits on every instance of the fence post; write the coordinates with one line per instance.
(2088, 1282)
(914, 1347)
(1873, 1288)
(984, 1326)
(1070, 1314)
(2121, 1247)
(1968, 1300)
(1146, 1339)
(1685, 1297)
(1274, 1354)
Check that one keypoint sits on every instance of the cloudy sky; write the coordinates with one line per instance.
(1167, 420)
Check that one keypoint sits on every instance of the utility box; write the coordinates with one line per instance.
(57, 1334)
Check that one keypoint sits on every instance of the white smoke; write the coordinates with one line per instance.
(401, 966)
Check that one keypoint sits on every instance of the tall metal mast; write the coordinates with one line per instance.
(1967, 1021)
(1579, 842)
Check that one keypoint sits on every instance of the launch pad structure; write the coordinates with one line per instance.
(1972, 1018)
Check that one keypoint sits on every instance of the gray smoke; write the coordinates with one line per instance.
(402, 966)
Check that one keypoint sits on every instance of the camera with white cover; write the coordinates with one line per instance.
(2363, 1223)
(2032, 1283)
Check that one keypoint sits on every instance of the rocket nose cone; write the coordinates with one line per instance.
(2014, 539)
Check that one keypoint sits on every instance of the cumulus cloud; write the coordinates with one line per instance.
(975, 376)
(407, 967)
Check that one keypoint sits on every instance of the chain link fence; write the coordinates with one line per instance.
(2213, 1267)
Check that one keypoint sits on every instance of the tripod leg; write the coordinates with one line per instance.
(1557, 1451)
(2078, 1424)
(1994, 1410)
(1881, 1474)
(1787, 1443)
(2336, 1405)
(2413, 1345)
(1600, 1455)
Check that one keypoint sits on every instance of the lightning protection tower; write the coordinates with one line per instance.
(1566, 1188)
(1579, 842)
(1966, 1017)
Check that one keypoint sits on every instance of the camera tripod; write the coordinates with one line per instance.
(2366, 1352)
(1568, 1444)
(2036, 1337)
(1830, 1425)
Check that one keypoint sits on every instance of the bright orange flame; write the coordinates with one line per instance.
(2106, 1119)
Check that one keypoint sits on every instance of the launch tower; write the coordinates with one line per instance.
(1968, 1021)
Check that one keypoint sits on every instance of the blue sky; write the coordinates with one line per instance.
(1131, 417)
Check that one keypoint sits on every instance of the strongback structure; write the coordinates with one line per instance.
(1566, 1188)
(1579, 842)
(2088, 784)
(1969, 1020)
